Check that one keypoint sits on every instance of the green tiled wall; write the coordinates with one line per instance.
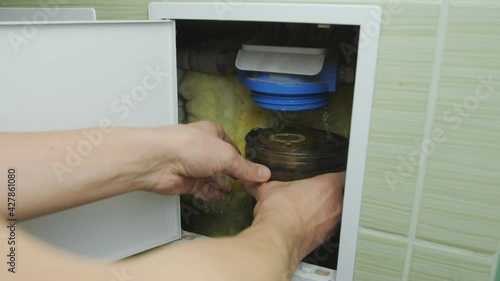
(404, 72)
(438, 219)
(380, 256)
(461, 185)
(497, 277)
(105, 9)
(437, 264)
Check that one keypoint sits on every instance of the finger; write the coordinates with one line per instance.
(260, 190)
(251, 187)
(263, 190)
(245, 170)
(215, 130)
(220, 182)
(213, 198)
(208, 193)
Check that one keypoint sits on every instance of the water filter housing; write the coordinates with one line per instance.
(287, 78)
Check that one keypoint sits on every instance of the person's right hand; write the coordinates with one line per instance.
(308, 210)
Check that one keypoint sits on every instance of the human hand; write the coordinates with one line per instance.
(307, 210)
(191, 157)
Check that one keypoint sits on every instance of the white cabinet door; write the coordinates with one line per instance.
(58, 76)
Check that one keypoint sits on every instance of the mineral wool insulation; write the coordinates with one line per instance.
(223, 100)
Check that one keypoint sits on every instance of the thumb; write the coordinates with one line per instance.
(245, 170)
(251, 188)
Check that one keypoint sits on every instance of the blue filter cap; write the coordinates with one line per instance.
(291, 92)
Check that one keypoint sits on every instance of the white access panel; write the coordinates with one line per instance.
(79, 75)
(41, 15)
(368, 18)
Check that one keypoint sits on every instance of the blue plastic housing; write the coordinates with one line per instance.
(288, 92)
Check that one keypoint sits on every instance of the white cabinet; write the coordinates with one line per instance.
(77, 75)
(93, 74)
(368, 19)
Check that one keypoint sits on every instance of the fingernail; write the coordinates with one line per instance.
(263, 172)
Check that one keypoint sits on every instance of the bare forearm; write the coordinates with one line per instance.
(58, 170)
(262, 252)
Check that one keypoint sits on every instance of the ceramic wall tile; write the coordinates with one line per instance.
(380, 256)
(105, 10)
(497, 274)
(461, 200)
(432, 262)
(404, 70)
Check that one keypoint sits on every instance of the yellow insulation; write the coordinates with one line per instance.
(223, 100)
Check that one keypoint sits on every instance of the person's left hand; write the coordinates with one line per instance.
(191, 158)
